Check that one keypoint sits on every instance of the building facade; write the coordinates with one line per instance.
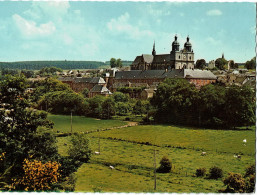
(176, 59)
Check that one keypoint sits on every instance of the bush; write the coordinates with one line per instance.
(165, 165)
(250, 171)
(250, 183)
(235, 183)
(200, 172)
(215, 173)
(80, 149)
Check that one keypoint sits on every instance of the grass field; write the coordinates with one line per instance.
(62, 123)
(130, 151)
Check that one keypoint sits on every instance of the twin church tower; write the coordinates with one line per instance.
(176, 59)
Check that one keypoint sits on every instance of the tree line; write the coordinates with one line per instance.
(179, 102)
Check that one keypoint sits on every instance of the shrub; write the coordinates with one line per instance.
(80, 149)
(250, 171)
(235, 183)
(165, 165)
(200, 172)
(215, 173)
(250, 184)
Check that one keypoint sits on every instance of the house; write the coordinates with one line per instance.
(99, 90)
(147, 93)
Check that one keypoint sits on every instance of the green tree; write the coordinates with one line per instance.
(240, 106)
(211, 105)
(120, 97)
(20, 137)
(122, 108)
(95, 106)
(118, 63)
(48, 85)
(235, 183)
(85, 92)
(113, 62)
(62, 102)
(251, 64)
(200, 64)
(220, 63)
(108, 108)
(165, 166)
(175, 102)
(138, 108)
(80, 148)
(233, 65)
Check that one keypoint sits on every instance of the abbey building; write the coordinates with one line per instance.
(176, 59)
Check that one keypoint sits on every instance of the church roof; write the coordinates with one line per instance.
(161, 58)
(148, 58)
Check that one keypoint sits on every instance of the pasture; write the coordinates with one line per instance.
(130, 151)
(62, 123)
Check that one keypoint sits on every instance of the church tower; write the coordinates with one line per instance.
(154, 52)
(175, 44)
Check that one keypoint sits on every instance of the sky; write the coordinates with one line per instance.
(33, 30)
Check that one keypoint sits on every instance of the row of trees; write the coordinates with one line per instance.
(178, 101)
(115, 63)
(221, 63)
(65, 64)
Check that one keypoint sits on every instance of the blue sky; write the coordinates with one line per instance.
(101, 30)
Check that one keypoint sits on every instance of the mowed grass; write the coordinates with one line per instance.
(62, 123)
(133, 162)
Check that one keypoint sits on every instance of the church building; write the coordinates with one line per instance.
(176, 59)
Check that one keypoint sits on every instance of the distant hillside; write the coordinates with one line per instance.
(37, 65)
(124, 63)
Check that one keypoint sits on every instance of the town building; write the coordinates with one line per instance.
(176, 59)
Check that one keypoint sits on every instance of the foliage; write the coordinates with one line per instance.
(38, 176)
(85, 92)
(48, 71)
(62, 102)
(235, 183)
(95, 106)
(108, 108)
(179, 102)
(122, 108)
(115, 63)
(233, 65)
(251, 64)
(120, 97)
(239, 106)
(165, 166)
(47, 85)
(5, 71)
(220, 63)
(80, 148)
(65, 64)
(215, 172)
(19, 134)
(250, 170)
(175, 101)
(200, 64)
(138, 108)
(200, 172)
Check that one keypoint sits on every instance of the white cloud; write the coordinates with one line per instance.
(29, 29)
(214, 12)
(121, 25)
(253, 29)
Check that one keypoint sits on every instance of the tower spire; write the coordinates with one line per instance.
(154, 52)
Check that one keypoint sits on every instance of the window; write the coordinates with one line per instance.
(178, 57)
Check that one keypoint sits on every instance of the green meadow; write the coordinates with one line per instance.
(130, 150)
(62, 123)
